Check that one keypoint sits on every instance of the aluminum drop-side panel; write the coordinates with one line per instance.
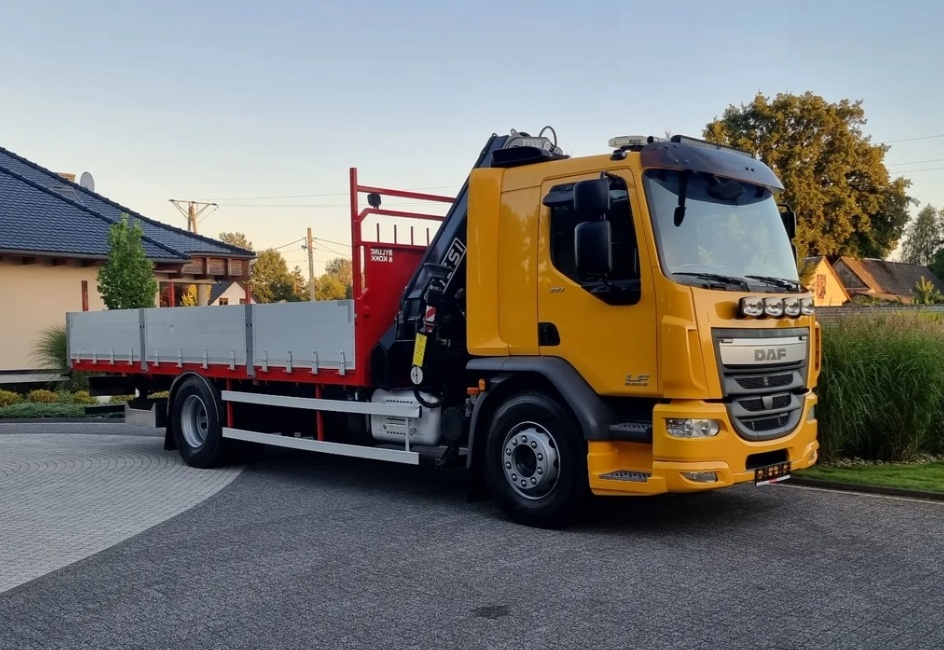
(183, 333)
(94, 334)
(325, 328)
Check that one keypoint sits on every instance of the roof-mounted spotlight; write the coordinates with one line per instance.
(374, 200)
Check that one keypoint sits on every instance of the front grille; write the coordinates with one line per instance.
(764, 399)
(764, 381)
(755, 404)
(766, 424)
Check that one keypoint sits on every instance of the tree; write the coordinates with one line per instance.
(236, 239)
(300, 283)
(925, 293)
(835, 178)
(126, 280)
(923, 237)
(271, 279)
(336, 282)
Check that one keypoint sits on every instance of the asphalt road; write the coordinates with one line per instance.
(316, 552)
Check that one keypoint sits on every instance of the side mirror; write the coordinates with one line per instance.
(593, 247)
(592, 198)
(789, 220)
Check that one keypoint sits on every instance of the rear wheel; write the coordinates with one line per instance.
(536, 461)
(196, 417)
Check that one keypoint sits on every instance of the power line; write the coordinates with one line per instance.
(328, 241)
(328, 249)
(191, 212)
(314, 205)
(926, 169)
(315, 196)
(289, 244)
(924, 137)
(916, 162)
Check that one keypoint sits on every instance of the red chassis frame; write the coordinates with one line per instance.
(380, 269)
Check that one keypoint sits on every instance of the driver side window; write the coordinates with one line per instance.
(563, 223)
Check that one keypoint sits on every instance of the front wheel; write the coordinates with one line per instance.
(536, 461)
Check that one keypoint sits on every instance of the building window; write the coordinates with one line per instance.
(820, 285)
(224, 301)
(242, 301)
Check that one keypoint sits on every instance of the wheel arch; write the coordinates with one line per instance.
(506, 376)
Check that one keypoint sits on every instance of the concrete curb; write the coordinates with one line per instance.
(840, 486)
(118, 420)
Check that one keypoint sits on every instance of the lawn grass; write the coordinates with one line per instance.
(927, 477)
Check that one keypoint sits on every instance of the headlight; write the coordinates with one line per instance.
(806, 306)
(691, 428)
(751, 306)
(773, 307)
(791, 306)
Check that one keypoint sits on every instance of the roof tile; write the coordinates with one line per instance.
(37, 220)
(175, 238)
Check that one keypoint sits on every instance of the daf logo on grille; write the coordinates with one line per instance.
(769, 354)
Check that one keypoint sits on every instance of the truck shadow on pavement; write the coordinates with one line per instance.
(446, 491)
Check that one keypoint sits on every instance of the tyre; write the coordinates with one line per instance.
(196, 415)
(536, 462)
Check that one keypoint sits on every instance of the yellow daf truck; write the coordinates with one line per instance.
(624, 324)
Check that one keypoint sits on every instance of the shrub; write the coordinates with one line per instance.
(27, 410)
(83, 397)
(9, 398)
(42, 396)
(51, 353)
(881, 390)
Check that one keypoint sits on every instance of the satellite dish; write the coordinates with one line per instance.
(87, 181)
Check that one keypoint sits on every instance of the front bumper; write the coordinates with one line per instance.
(622, 468)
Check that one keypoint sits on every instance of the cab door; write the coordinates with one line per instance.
(603, 324)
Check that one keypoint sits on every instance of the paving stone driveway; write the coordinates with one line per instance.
(64, 497)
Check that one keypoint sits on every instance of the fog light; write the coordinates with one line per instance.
(751, 306)
(773, 307)
(692, 428)
(806, 306)
(701, 477)
(791, 306)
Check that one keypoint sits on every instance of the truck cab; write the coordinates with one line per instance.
(652, 294)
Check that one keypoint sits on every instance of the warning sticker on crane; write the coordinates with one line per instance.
(419, 349)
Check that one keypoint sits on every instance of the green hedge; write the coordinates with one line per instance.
(881, 391)
(36, 410)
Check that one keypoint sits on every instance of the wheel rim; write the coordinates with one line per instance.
(194, 423)
(530, 460)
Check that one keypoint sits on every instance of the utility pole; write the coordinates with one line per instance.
(191, 212)
(311, 268)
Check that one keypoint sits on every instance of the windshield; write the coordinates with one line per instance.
(718, 232)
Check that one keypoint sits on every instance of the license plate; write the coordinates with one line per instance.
(771, 474)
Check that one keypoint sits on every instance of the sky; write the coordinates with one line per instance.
(262, 107)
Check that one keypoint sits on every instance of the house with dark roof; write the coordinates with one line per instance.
(881, 279)
(825, 284)
(53, 239)
(229, 293)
